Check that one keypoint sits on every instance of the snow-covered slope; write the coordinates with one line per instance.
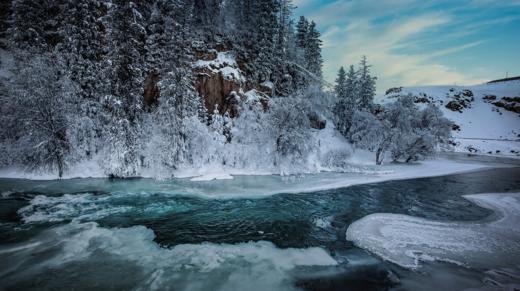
(482, 127)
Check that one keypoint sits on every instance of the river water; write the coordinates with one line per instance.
(141, 234)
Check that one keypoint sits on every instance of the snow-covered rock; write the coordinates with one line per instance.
(224, 64)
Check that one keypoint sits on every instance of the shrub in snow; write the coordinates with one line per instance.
(36, 114)
(408, 133)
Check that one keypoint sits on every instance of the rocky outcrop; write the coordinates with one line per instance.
(217, 91)
(394, 90)
(461, 100)
(220, 81)
(316, 121)
(509, 103)
(151, 90)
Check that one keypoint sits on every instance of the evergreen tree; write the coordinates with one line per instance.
(341, 83)
(285, 26)
(302, 31)
(313, 51)
(35, 24)
(267, 25)
(351, 88)
(123, 106)
(206, 13)
(367, 86)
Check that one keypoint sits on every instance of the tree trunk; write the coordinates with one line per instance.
(379, 158)
(59, 162)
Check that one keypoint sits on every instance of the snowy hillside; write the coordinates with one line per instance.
(486, 116)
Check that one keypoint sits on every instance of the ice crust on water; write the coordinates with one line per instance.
(207, 266)
(407, 241)
(77, 207)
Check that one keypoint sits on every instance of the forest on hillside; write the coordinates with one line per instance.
(155, 86)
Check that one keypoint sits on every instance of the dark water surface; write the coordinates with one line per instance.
(142, 234)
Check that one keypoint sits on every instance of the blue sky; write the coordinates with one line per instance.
(419, 42)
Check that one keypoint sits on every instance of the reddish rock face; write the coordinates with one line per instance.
(214, 87)
(206, 55)
(216, 90)
(151, 90)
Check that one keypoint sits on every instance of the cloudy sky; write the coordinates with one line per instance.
(420, 42)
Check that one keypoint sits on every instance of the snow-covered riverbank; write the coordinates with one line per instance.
(255, 185)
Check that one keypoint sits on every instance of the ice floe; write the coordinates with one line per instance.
(408, 241)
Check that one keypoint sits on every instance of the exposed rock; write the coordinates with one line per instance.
(421, 99)
(394, 90)
(467, 93)
(455, 127)
(511, 99)
(461, 100)
(151, 90)
(471, 149)
(489, 98)
(454, 106)
(509, 103)
(216, 91)
(219, 81)
(316, 121)
(206, 55)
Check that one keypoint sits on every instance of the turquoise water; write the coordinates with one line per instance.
(143, 234)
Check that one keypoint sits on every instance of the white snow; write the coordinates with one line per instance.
(243, 184)
(267, 84)
(407, 241)
(207, 266)
(323, 222)
(269, 184)
(212, 176)
(225, 64)
(484, 126)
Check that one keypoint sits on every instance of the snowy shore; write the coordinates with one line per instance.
(236, 184)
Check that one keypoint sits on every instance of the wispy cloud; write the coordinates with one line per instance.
(407, 41)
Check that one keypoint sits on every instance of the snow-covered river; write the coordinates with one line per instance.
(141, 234)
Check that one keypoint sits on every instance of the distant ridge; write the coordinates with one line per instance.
(505, 80)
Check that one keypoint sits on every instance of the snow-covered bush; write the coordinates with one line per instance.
(419, 132)
(410, 134)
(369, 132)
(36, 113)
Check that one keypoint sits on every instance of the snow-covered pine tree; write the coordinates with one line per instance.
(35, 24)
(348, 100)
(302, 31)
(285, 27)
(206, 13)
(367, 86)
(341, 82)
(313, 51)
(85, 53)
(352, 88)
(266, 28)
(123, 106)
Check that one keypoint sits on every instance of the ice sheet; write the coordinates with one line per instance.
(408, 241)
